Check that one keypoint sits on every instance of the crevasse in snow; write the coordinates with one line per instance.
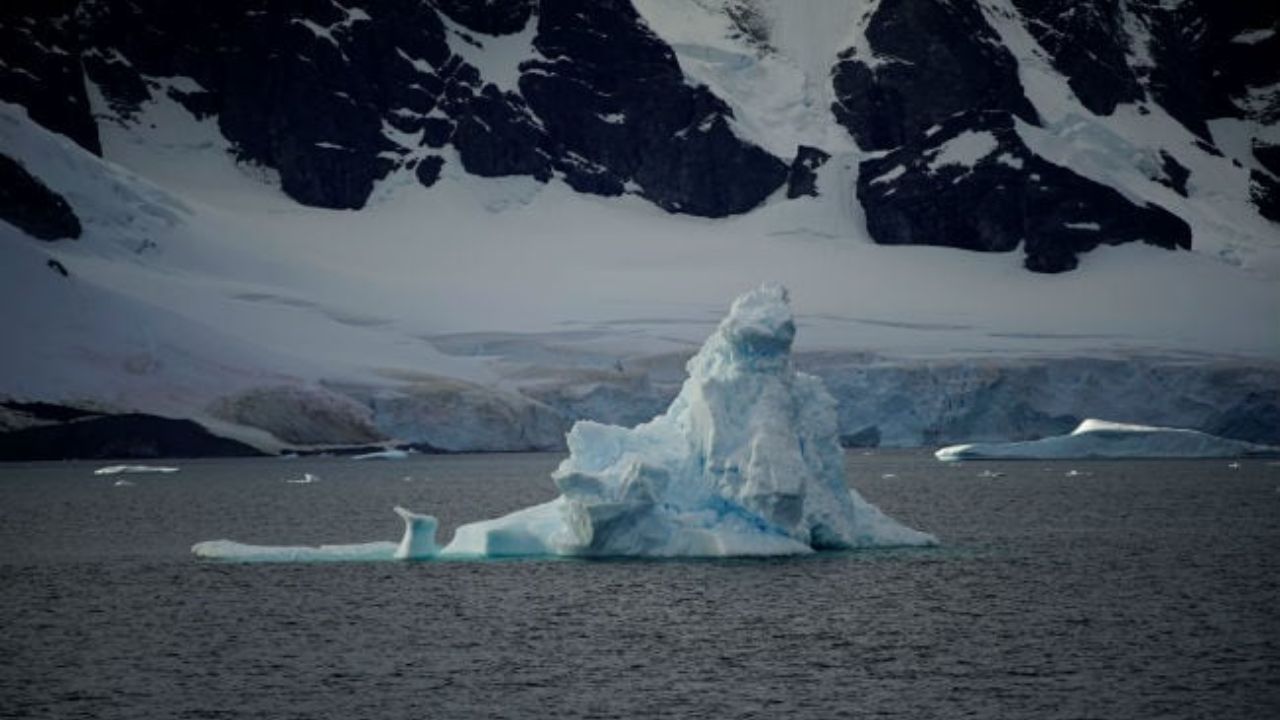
(744, 462)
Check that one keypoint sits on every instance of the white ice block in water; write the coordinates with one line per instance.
(744, 462)
(239, 552)
(1104, 439)
(382, 455)
(119, 469)
(418, 543)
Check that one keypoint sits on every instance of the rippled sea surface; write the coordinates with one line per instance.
(1120, 590)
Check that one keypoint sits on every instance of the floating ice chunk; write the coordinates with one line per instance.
(1103, 439)
(118, 469)
(745, 461)
(418, 543)
(239, 552)
(382, 455)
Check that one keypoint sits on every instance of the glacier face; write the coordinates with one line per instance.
(1104, 439)
(746, 461)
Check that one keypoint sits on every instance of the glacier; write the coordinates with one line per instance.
(745, 462)
(1103, 439)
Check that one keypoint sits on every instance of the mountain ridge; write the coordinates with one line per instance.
(571, 285)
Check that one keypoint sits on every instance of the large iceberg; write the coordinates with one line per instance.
(1103, 439)
(744, 462)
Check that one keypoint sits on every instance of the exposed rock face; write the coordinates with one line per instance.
(804, 172)
(302, 87)
(1100, 75)
(1203, 60)
(326, 94)
(936, 71)
(335, 96)
(42, 69)
(612, 93)
(973, 184)
(1265, 181)
(491, 17)
(27, 203)
(131, 436)
(932, 60)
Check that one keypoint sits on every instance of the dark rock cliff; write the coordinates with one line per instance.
(29, 204)
(308, 88)
(334, 95)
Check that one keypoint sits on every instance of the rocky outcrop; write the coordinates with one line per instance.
(973, 184)
(302, 87)
(492, 17)
(941, 93)
(336, 96)
(611, 93)
(1206, 56)
(1088, 43)
(31, 206)
(41, 68)
(1264, 182)
(129, 436)
(803, 180)
(932, 59)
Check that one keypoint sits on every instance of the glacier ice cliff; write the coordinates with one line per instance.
(1103, 439)
(746, 461)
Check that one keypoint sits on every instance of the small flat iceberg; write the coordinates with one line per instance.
(745, 462)
(1101, 439)
(418, 543)
(123, 469)
(382, 455)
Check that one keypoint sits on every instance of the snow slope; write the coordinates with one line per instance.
(489, 313)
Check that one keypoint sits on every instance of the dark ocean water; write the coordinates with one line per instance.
(1132, 590)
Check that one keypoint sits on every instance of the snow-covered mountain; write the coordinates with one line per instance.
(466, 224)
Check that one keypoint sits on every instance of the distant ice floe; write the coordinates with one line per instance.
(1103, 439)
(382, 455)
(119, 469)
(745, 462)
